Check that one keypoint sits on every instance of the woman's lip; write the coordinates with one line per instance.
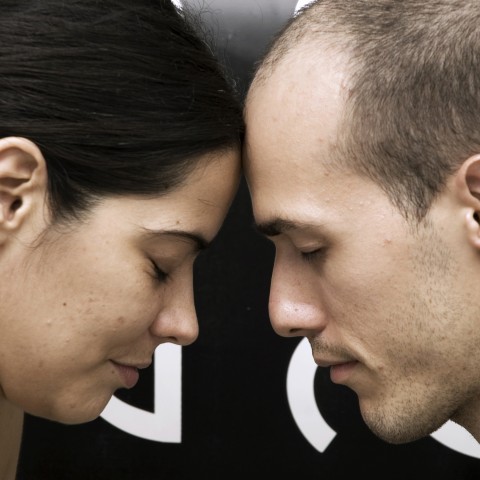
(339, 373)
(128, 374)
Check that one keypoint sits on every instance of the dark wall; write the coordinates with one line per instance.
(249, 402)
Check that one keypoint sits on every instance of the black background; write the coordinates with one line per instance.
(236, 421)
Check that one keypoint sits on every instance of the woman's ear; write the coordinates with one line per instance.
(468, 187)
(23, 183)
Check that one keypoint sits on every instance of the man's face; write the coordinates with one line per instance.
(384, 303)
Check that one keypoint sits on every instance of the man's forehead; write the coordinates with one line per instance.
(304, 83)
(291, 115)
(287, 72)
(301, 61)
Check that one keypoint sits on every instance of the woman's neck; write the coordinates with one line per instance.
(11, 425)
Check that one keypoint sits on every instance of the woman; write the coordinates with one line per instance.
(119, 159)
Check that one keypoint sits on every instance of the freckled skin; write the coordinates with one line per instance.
(56, 355)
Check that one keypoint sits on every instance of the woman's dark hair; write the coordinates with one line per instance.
(121, 96)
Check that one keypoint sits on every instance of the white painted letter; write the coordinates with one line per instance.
(165, 423)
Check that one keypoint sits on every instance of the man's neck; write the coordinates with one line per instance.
(11, 425)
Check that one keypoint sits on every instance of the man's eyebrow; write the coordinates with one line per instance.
(280, 225)
(201, 243)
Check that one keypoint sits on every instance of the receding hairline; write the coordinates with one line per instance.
(301, 40)
(305, 31)
(414, 91)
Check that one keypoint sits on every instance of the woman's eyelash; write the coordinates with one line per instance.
(158, 273)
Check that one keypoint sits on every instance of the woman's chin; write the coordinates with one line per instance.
(73, 414)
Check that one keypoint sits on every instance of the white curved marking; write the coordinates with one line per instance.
(457, 438)
(165, 423)
(301, 4)
(301, 398)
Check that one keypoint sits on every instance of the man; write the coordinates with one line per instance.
(362, 156)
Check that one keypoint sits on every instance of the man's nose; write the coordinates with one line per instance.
(295, 304)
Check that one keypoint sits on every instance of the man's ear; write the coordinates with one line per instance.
(23, 182)
(468, 188)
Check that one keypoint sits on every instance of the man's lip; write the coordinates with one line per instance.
(322, 362)
(341, 372)
(137, 365)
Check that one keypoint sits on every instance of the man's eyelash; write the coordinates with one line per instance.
(158, 273)
(313, 255)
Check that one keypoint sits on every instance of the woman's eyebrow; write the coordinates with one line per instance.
(200, 242)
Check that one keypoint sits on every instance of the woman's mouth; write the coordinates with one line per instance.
(128, 374)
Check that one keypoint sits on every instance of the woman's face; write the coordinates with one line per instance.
(85, 309)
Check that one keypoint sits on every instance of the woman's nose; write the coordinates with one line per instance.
(177, 322)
